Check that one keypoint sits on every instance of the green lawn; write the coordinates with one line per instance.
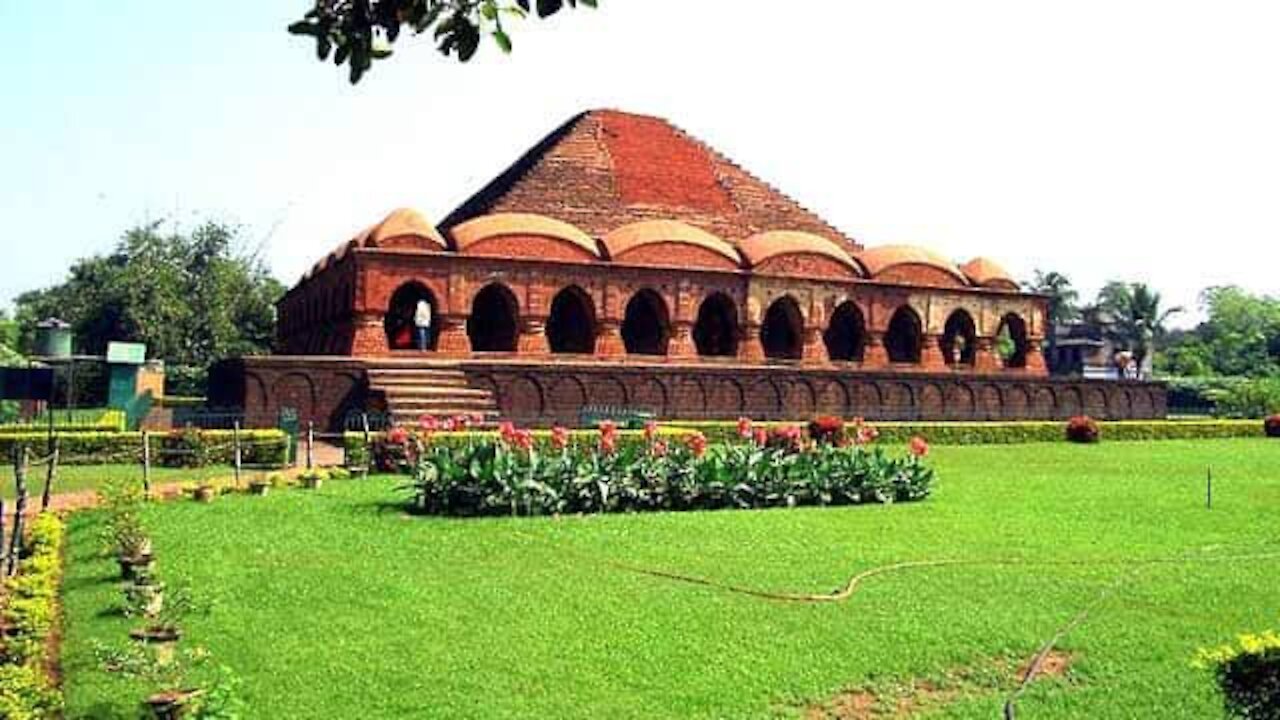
(334, 604)
(73, 478)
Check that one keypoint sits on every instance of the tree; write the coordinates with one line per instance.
(1240, 337)
(1062, 296)
(1139, 318)
(192, 298)
(357, 32)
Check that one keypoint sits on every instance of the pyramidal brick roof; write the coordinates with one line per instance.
(604, 169)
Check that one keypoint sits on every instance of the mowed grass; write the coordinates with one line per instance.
(75, 478)
(334, 604)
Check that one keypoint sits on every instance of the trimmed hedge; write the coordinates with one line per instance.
(28, 616)
(98, 420)
(210, 447)
(999, 433)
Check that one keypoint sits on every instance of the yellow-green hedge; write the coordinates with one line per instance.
(994, 433)
(260, 447)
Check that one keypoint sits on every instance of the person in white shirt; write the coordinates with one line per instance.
(422, 324)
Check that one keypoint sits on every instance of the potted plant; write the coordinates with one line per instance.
(313, 479)
(176, 699)
(133, 550)
(163, 628)
(144, 596)
(261, 485)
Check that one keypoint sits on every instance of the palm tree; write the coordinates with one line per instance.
(1139, 318)
(1062, 297)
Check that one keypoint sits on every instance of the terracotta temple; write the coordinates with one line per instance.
(622, 263)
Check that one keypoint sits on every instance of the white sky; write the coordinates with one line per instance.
(1118, 139)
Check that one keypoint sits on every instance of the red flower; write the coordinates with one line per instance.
(398, 436)
(524, 440)
(650, 430)
(462, 421)
(477, 419)
(761, 437)
(448, 425)
(559, 437)
(659, 448)
(919, 446)
(506, 430)
(698, 444)
(429, 423)
(744, 428)
(865, 433)
(608, 443)
(608, 427)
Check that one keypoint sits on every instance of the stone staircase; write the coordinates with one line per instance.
(412, 392)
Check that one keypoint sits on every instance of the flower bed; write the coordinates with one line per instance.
(516, 473)
(1248, 673)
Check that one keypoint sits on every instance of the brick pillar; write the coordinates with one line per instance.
(1035, 357)
(370, 337)
(609, 342)
(874, 355)
(750, 349)
(931, 358)
(815, 350)
(533, 337)
(682, 346)
(987, 360)
(453, 338)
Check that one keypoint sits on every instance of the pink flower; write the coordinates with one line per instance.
(477, 419)
(524, 440)
(448, 425)
(744, 428)
(761, 437)
(608, 443)
(506, 430)
(462, 421)
(608, 427)
(865, 433)
(429, 423)
(559, 437)
(398, 436)
(659, 448)
(919, 446)
(698, 444)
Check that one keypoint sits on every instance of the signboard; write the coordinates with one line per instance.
(121, 353)
(26, 384)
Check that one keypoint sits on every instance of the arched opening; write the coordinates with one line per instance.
(492, 325)
(1011, 341)
(571, 327)
(960, 339)
(646, 327)
(902, 341)
(846, 334)
(716, 332)
(782, 334)
(411, 318)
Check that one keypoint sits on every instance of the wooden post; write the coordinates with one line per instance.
(20, 507)
(146, 462)
(235, 438)
(368, 447)
(4, 556)
(311, 444)
(50, 476)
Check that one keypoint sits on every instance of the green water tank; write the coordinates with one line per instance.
(53, 339)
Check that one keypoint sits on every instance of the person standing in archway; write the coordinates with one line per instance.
(422, 324)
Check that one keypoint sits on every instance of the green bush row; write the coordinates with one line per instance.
(186, 449)
(29, 612)
(94, 420)
(997, 433)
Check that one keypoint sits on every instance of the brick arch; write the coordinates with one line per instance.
(961, 403)
(799, 400)
(866, 400)
(1070, 402)
(650, 394)
(1143, 407)
(1095, 402)
(1044, 403)
(1119, 405)
(298, 391)
(688, 397)
(1017, 402)
(897, 399)
(932, 402)
(782, 332)
(832, 398)
(904, 336)
(764, 395)
(571, 322)
(607, 390)
(990, 402)
(493, 324)
(523, 399)
(725, 396)
(566, 397)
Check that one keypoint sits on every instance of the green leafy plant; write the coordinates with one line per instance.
(28, 618)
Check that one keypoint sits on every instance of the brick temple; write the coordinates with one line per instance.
(621, 262)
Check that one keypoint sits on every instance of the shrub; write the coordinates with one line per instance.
(1248, 673)
(1007, 432)
(28, 618)
(86, 420)
(1083, 429)
(1272, 426)
(1252, 399)
(186, 448)
(513, 475)
(259, 447)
